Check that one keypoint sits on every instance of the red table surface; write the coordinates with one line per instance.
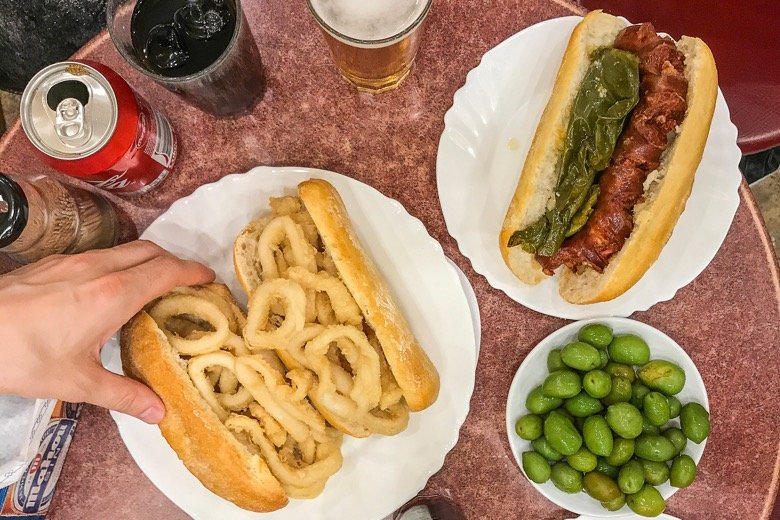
(728, 319)
(743, 38)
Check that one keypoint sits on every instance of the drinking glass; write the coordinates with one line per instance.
(373, 42)
(230, 85)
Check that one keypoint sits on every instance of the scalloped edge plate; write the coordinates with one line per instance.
(379, 473)
(486, 137)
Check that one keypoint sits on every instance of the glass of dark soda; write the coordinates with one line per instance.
(202, 50)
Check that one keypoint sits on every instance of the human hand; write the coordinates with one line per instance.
(56, 314)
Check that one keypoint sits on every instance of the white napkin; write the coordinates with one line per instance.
(22, 424)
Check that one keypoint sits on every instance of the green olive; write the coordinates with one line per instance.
(622, 451)
(614, 505)
(656, 473)
(539, 404)
(604, 358)
(597, 334)
(607, 469)
(597, 383)
(631, 477)
(583, 460)
(581, 356)
(674, 406)
(638, 393)
(554, 361)
(656, 408)
(648, 427)
(562, 384)
(543, 448)
(566, 478)
(676, 437)
(625, 420)
(654, 447)
(561, 434)
(646, 502)
(620, 391)
(683, 471)
(582, 405)
(536, 467)
(664, 376)
(629, 349)
(597, 435)
(600, 486)
(695, 422)
(620, 370)
(529, 427)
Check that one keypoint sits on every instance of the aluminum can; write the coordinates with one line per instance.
(88, 123)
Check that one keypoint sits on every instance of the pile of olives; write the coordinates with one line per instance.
(600, 425)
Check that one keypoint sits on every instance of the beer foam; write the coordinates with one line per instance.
(369, 19)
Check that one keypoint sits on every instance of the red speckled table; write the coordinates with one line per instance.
(728, 318)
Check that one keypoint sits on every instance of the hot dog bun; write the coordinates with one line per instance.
(411, 367)
(666, 189)
(205, 446)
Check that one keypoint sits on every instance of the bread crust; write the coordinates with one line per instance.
(413, 370)
(666, 191)
(205, 446)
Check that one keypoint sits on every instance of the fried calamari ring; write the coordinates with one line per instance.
(197, 367)
(193, 308)
(283, 398)
(279, 230)
(300, 478)
(236, 319)
(342, 308)
(346, 394)
(293, 300)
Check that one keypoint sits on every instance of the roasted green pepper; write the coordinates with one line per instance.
(608, 93)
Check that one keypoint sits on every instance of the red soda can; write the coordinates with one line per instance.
(88, 123)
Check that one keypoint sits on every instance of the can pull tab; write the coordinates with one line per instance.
(68, 99)
(69, 121)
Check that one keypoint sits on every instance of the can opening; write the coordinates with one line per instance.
(70, 89)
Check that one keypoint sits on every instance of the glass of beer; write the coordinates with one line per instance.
(373, 42)
(202, 50)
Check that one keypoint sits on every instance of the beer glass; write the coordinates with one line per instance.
(202, 50)
(373, 42)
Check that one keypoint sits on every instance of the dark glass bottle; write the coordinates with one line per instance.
(42, 216)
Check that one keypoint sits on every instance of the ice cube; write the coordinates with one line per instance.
(164, 48)
(202, 19)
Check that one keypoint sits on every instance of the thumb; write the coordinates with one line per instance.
(125, 395)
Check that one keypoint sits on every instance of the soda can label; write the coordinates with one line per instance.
(153, 152)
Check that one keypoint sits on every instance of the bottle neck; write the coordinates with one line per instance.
(14, 210)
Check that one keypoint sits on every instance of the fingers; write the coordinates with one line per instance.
(135, 287)
(92, 264)
(125, 395)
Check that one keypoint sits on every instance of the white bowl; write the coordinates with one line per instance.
(533, 371)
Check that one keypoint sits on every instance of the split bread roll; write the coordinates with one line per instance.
(319, 302)
(665, 189)
(238, 420)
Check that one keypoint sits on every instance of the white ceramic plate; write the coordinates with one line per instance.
(533, 371)
(486, 137)
(379, 473)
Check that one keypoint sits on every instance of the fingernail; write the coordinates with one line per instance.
(152, 415)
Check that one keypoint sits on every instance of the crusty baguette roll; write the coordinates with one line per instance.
(409, 363)
(235, 418)
(203, 443)
(666, 189)
(413, 370)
